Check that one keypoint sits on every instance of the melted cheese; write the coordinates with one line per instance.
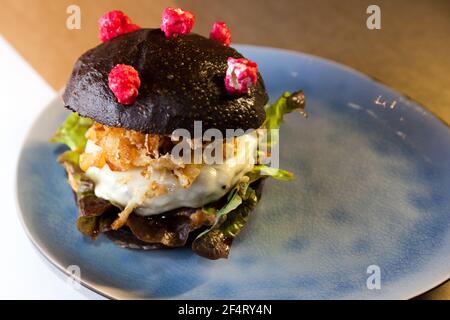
(213, 182)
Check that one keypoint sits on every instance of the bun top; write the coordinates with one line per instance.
(182, 81)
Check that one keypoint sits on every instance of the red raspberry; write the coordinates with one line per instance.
(240, 76)
(115, 23)
(221, 33)
(124, 82)
(176, 21)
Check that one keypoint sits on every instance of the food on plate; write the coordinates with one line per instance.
(151, 109)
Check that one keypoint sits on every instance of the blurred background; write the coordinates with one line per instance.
(411, 52)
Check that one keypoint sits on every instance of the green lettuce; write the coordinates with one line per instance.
(91, 209)
(275, 113)
(260, 171)
(285, 104)
(72, 132)
(215, 242)
(235, 198)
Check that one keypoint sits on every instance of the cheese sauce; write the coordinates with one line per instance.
(213, 182)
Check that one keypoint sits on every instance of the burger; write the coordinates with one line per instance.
(142, 103)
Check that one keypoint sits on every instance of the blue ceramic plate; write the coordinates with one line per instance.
(372, 188)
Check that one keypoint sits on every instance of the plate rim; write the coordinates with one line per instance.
(53, 260)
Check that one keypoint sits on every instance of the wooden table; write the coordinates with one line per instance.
(410, 53)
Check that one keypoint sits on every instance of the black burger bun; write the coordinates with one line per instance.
(182, 81)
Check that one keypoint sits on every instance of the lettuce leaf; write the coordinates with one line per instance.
(72, 132)
(170, 230)
(260, 171)
(89, 205)
(285, 104)
(216, 242)
(69, 156)
(240, 193)
(91, 210)
(234, 201)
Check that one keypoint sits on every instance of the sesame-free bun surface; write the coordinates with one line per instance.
(182, 80)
